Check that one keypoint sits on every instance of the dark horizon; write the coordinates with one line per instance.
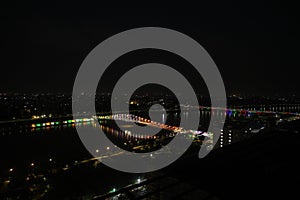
(254, 45)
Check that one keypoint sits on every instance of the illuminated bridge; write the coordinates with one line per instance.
(141, 120)
(48, 122)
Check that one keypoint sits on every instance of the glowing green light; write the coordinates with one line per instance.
(69, 121)
(113, 190)
(56, 123)
(38, 125)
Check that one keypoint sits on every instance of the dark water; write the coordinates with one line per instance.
(59, 147)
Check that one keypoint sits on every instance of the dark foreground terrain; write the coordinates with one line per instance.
(263, 167)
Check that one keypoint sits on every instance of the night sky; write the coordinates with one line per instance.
(255, 45)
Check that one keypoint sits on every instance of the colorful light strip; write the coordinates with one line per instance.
(70, 121)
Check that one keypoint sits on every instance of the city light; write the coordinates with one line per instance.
(161, 130)
(113, 190)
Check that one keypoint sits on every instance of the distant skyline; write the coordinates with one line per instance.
(255, 45)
